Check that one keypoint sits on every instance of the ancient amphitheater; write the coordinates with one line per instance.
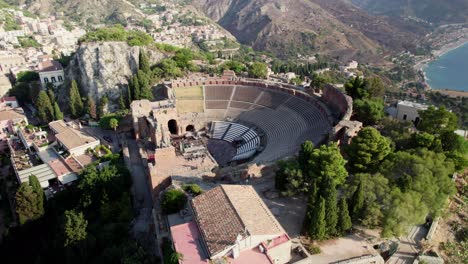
(206, 122)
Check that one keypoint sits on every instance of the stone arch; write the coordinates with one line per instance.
(173, 127)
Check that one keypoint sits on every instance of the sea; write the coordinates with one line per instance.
(449, 71)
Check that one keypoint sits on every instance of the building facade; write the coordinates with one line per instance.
(51, 72)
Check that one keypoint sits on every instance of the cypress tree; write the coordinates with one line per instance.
(122, 105)
(27, 204)
(51, 94)
(344, 220)
(91, 107)
(305, 155)
(144, 85)
(102, 105)
(330, 196)
(45, 110)
(76, 103)
(58, 113)
(136, 88)
(357, 201)
(318, 224)
(37, 189)
(129, 93)
(311, 205)
(144, 64)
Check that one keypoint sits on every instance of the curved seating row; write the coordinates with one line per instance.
(286, 120)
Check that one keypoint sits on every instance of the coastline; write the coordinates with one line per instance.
(421, 65)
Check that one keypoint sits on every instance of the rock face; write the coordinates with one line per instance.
(103, 69)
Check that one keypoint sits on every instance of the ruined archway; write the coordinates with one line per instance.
(173, 127)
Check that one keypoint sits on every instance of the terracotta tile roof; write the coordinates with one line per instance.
(10, 115)
(48, 66)
(71, 138)
(218, 221)
(253, 212)
(227, 211)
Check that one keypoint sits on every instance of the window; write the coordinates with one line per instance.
(405, 117)
(53, 79)
(60, 78)
(46, 80)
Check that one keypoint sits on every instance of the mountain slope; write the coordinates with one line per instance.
(434, 11)
(288, 27)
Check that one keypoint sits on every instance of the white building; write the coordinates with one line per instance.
(409, 111)
(51, 72)
(71, 139)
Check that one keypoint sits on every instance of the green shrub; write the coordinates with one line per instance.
(173, 201)
(193, 189)
(313, 249)
(118, 33)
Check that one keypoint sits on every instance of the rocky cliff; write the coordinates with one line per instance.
(104, 69)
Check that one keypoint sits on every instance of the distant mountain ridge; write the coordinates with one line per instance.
(333, 27)
(433, 11)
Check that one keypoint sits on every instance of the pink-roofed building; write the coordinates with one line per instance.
(186, 239)
(231, 222)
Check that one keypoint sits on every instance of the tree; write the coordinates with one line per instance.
(369, 111)
(328, 189)
(173, 201)
(144, 64)
(50, 92)
(145, 85)
(437, 121)
(258, 70)
(91, 108)
(75, 103)
(305, 155)
(357, 201)
(367, 150)
(74, 228)
(405, 210)
(129, 93)
(289, 178)
(58, 113)
(45, 110)
(325, 162)
(344, 220)
(374, 87)
(355, 88)
(37, 189)
(135, 85)
(114, 123)
(28, 204)
(317, 222)
(122, 105)
(425, 172)
(377, 190)
(102, 106)
(27, 76)
(319, 81)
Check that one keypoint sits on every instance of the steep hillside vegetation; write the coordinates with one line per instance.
(434, 11)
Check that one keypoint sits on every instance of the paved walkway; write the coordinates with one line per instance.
(142, 202)
(409, 246)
